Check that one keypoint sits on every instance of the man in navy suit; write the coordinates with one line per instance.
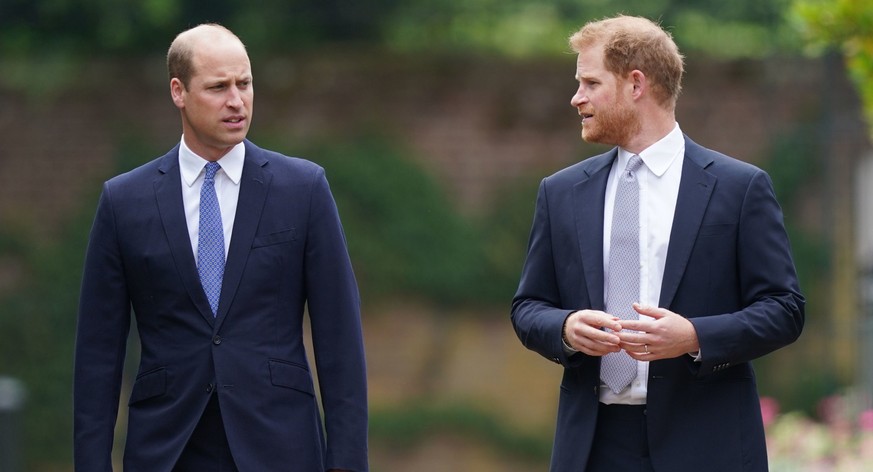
(713, 284)
(224, 383)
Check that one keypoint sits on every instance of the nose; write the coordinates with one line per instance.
(234, 98)
(578, 98)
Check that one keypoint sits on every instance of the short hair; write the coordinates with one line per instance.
(636, 43)
(180, 56)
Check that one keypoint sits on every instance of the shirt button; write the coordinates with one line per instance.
(216, 340)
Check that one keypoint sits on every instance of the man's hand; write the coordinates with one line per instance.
(666, 336)
(583, 332)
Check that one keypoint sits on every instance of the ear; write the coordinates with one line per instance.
(177, 92)
(639, 82)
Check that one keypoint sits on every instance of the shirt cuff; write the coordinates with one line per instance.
(568, 350)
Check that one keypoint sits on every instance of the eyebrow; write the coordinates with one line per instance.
(223, 80)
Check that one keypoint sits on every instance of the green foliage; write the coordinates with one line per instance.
(37, 326)
(42, 78)
(505, 232)
(83, 27)
(848, 26)
(407, 238)
(404, 236)
(514, 28)
(406, 426)
(38, 322)
(88, 27)
(739, 28)
(711, 34)
(795, 163)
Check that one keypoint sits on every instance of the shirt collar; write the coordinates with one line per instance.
(191, 165)
(659, 156)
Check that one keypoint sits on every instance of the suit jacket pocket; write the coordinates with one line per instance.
(290, 375)
(149, 385)
(278, 237)
(717, 229)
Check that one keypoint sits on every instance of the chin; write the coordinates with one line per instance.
(590, 136)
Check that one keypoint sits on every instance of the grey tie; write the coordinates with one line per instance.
(617, 369)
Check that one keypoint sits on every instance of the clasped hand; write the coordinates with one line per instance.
(665, 335)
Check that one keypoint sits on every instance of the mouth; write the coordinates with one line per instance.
(585, 117)
(234, 121)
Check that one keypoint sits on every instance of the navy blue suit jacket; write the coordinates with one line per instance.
(729, 271)
(287, 253)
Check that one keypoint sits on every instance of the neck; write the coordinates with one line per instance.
(212, 154)
(654, 128)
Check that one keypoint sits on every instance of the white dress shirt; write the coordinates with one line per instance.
(659, 180)
(191, 168)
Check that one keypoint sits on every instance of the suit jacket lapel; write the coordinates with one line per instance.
(168, 193)
(695, 190)
(589, 198)
(252, 194)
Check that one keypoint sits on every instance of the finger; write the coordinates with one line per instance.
(641, 351)
(581, 332)
(588, 338)
(642, 355)
(599, 319)
(650, 311)
(594, 348)
(629, 327)
(628, 336)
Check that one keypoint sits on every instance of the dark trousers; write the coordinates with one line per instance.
(207, 450)
(620, 440)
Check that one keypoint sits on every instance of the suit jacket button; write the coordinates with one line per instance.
(209, 388)
(216, 340)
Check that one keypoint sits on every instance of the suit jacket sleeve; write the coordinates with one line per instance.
(334, 310)
(101, 340)
(773, 313)
(536, 316)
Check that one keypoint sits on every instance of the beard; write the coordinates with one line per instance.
(614, 125)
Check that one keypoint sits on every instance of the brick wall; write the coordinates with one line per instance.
(477, 124)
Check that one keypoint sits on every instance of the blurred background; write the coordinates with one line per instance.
(436, 120)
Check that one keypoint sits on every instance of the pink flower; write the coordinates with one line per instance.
(865, 420)
(769, 409)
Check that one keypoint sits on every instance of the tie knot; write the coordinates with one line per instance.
(211, 169)
(632, 166)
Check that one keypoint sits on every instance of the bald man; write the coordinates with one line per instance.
(217, 247)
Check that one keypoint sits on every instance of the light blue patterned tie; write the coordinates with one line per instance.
(617, 369)
(210, 242)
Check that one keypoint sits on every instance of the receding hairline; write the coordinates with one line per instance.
(180, 56)
(205, 31)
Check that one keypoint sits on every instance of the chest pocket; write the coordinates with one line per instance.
(278, 237)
